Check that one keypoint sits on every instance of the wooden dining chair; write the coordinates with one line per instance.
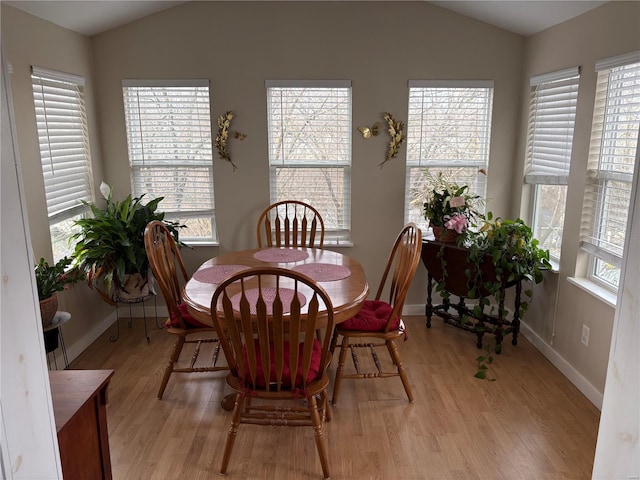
(267, 320)
(379, 323)
(290, 223)
(170, 274)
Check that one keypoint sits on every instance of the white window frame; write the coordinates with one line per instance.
(612, 155)
(181, 171)
(552, 113)
(421, 138)
(64, 152)
(334, 161)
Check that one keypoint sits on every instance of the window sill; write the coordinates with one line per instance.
(338, 244)
(601, 293)
(201, 243)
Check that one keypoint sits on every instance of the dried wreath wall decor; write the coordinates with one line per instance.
(224, 123)
(396, 132)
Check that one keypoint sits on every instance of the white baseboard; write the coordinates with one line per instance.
(558, 361)
(575, 377)
(413, 310)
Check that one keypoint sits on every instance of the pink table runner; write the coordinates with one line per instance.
(217, 273)
(269, 294)
(280, 255)
(323, 272)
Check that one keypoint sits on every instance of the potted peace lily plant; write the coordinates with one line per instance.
(110, 246)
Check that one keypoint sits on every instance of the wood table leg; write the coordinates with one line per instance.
(228, 402)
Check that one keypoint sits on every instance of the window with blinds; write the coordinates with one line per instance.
(170, 154)
(610, 171)
(449, 131)
(552, 114)
(64, 152)
(310, 149)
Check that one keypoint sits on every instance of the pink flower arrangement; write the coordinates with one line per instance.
(447, 204)
(457, 222)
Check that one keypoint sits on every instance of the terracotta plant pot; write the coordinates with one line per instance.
(444, 235)
(48, 309)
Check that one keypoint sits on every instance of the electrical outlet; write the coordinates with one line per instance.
(585, 335)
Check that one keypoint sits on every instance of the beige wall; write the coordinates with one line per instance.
(27, 41)
(607, 31)
(379, 46)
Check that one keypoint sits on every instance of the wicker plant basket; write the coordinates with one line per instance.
(48, 309)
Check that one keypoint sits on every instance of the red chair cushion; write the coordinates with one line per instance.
(286, 370)
(372, 317)
(189, 321)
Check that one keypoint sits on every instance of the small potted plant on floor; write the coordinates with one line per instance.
(110, 246)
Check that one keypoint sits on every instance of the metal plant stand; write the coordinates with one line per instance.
(53, 338)
(130, 302)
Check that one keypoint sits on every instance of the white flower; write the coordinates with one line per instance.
(105, 190)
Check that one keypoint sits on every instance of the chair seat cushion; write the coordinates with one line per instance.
(286, 370)
(372, 317)
(189, 321)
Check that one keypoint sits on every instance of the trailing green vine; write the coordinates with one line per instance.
(516, 256)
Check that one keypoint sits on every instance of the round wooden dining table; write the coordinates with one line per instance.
(341, 276)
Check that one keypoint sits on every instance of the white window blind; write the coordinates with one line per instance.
(63, 139)
(170, 153)
(64, 151)
(614, 141)
(449, 131)
(552, 113)
(310, 149)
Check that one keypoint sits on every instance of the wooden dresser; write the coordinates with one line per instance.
(79, 406)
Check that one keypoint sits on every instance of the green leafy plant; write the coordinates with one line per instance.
(484, 361)
(54, 278)
(515, 255)
(111, 242)
(514, 250)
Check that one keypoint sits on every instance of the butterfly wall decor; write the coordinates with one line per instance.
(370, 131)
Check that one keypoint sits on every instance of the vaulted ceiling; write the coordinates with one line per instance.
(93, 17)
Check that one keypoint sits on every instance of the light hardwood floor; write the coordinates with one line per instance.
(531, 423)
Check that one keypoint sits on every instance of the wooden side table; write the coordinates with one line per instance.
(79, 406)
(434, 255)
(53, 338)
